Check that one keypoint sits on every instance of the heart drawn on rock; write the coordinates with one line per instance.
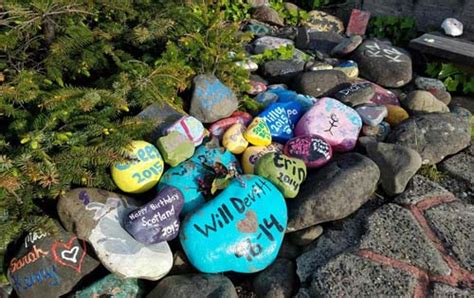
(69, 254)
(249, 224)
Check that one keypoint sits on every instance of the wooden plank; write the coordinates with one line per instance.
(454, 49)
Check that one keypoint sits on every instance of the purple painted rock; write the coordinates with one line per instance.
(257, 88)
(335, 122)
(313, 150)
(158, 220)
(372, 115)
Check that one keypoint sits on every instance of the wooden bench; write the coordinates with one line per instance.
(456, 49)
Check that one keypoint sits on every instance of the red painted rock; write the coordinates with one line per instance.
(256, 88)
(332, 120)
(313, 150)
(383, 96)
(190, 127)
(219, 128)
(358, 22)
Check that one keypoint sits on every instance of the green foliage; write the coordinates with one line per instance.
(236, 10)
(400, 30)
(291, 17)
(431, 172)
(281, 53)
(74, 76)
(453, 77)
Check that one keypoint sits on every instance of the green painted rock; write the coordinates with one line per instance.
(175, 148)
(112, 286)
(284, 172)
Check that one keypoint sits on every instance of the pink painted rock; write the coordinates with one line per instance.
(219, 128)
(335, 122)
(313, 150)
(256, 88)
(383, 96)
(358, 22)
(190, 127)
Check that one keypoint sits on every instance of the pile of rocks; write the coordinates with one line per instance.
(245, 193)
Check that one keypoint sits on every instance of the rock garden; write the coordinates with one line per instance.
(230, 149)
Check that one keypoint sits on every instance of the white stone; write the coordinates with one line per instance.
(452, 27)
(120, 253)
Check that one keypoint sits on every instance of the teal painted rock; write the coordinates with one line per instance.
(240, 230)
(284, 172)
(175, 148)
(187, 176)
(112, 286)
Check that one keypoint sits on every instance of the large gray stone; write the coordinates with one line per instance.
(454, 225)
(460, 166)
(334, 192)
(320, 83)
(439, 290)
(162, 115)
(383, 64)
(282, 71)
(397, 164)
(267, 15)
(212, 100)
(419, 102)
(393, 231)
(351, 276)
(434, 136)
(306, 236)
(194, 285)
(277, 281)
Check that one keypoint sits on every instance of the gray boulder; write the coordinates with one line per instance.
(277, 281)
(419, 102)
(320, 83)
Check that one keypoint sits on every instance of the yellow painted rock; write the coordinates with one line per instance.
(253, 153)
(322, 21)
(234, 140)
(141, 174)
(396, 115)
(258, 133)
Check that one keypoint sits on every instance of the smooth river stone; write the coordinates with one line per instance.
(253, 153)
(313, 150)
(47, 262)
(350, 68)
(218, 128)
(257, 88)
(211, 153)
(371, 114)
(335, 122)
(158, 220)
(240, 230)
(258, 133)
(102, 213)
(190, 127)
(383, 96)
(281, 119)
(175, 148)
(234, 140)
(141, 174)
(284, 172)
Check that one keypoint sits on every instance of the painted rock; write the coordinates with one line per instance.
(233, 139)
(324, 22)
(158, 220)
(305, 101)
(350, 68)
(240, 230)
(266, 98)
(253, 153)
(396, 115)
(380, 132)
(218, 129)
(142, 174)
(175, 148)
(372, 115)
(347, 46)
(356, 94)
(313, 150)
(277, 86)
(383, 96)
(96, 216)
(186, 176)
(47, 263)
(335, 122)
(284, 172)
(452, 27)
(247, 65)
(258, 133)
(358, 22)
(281, 118)
(212, 100)
(112, 286)
(270, 43)
(258, 28)
(191, 128)
(257, 88)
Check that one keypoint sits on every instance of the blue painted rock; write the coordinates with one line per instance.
(212, 100)
(350, 68)
(189, 127)
(186, 176)
(284, 172)
(335, 122)
(281, 119)
(294, 112)
(240, 230)
(372, 115)
(112, 286)
(305, 101)
(313, 150)
(266, 98)
(158, 220)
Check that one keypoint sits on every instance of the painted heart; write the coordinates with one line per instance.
(249, 224)
(69, 254)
